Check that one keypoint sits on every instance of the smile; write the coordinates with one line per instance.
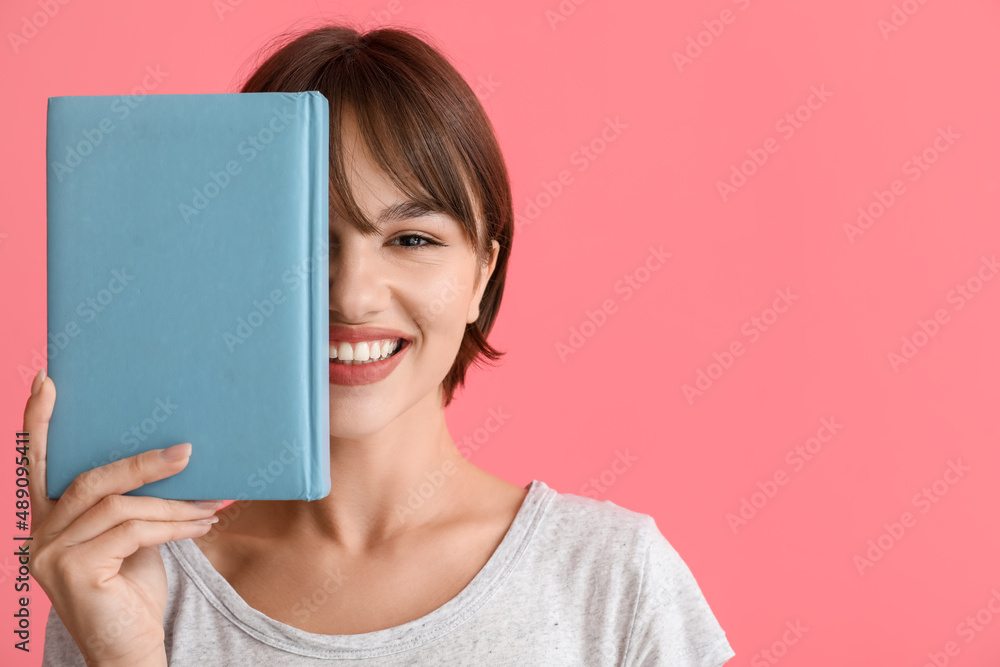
(363, 352)
(374, 368)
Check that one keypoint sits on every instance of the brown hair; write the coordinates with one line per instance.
(425, 128)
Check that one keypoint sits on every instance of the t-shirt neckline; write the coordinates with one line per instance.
(379, 643)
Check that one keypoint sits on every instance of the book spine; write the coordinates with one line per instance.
(318, 138)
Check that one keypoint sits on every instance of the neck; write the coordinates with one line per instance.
(407, 475)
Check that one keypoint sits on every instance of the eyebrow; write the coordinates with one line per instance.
(404, 210)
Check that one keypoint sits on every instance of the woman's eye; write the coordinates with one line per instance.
(414, 241)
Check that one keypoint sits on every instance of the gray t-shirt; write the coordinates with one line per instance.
(575, 582)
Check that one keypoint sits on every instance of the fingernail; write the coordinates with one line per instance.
(177, 452)
(211, 519)
(37, 383)
(206, 504)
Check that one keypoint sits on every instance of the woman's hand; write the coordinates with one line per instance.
(95, 550)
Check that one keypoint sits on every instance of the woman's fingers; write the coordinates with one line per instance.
(95, 496)
(108, 549)
(116, 509)
(37, 412)
(117, 477)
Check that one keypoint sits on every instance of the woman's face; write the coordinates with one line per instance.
(416, 276)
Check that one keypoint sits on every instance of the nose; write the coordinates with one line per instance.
(357, 291)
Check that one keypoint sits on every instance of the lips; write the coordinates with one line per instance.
(368, 373)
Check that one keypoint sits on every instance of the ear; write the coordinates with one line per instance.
(484, 278)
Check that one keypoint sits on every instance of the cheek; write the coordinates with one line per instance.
(443, 306)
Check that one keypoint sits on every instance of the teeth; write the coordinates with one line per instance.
(362, 352)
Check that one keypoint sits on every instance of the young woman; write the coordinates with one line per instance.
(481, 571)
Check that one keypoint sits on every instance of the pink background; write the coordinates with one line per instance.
(551, 87)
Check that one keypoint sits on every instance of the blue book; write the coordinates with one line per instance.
(188, 289)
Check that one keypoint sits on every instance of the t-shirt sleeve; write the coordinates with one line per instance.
(673, 623)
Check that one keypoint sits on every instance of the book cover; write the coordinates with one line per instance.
(188, 289)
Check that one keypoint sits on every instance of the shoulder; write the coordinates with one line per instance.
(580, 534)
(627, 554)
(601, 528)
